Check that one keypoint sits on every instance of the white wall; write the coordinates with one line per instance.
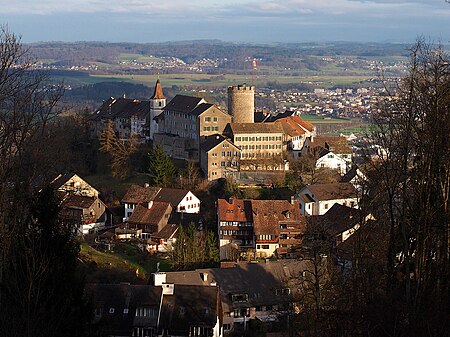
(266, 252)
(333, 161)
(189, 204)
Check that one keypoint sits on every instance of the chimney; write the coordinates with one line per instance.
(150, 204)
(146, 185)
(167, 289)
(292, 199)
(159, 279)
(204, 276)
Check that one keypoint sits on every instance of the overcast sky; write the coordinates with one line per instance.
(228, 20)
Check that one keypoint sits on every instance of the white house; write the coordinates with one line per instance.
(317, 199)
(333, 161)
(182, 201)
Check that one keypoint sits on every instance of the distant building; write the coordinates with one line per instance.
(296, 131)
(185, 121)
(241, 103)
(261, 145)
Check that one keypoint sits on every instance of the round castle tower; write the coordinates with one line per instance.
(241, 103)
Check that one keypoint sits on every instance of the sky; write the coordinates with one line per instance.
(259, 21)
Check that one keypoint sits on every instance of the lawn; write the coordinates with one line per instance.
(125, 263)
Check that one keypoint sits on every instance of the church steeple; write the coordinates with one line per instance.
(158, 93)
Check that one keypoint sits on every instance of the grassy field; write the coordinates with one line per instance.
(215, 81)
(124, 263)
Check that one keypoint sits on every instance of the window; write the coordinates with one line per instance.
(222, 164)
(111, 310)
(264, 246)
(207, 119)
(326, 206)
(215, 119)
(125, 311)
(330, 156)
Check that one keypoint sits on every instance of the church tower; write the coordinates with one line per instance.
(157, 103)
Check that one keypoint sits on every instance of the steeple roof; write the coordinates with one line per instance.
(158, 93)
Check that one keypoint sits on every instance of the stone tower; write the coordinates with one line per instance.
(157, 103)
(241, 103)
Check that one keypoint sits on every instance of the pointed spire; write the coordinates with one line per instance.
(158, 93)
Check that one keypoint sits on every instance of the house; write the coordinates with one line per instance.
(317, 199)
(166, 237)
(84, 212)
(329, 159)
(179, 199)
(219, 157)
(338, 151)
(159, 309)
(296, 131)
(262, 145)
(249, 291)
(150, 217)
(72, 184)
(357, 178)
(253, 227)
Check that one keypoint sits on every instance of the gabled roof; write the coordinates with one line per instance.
(172, 196)
(258, 280)
(340, 218)
(256, 128)
(295, 125)
(122, 108)
(137, 194)
(152, 216)
(236, 210)
(167, 232)
(182, 103)
(338, 145)
(142, 194)
(268, 214)
(332, 191)
(210, 142)
(201, 108)
(158, 93)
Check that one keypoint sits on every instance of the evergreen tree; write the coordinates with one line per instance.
(42, 294)
(161, 167)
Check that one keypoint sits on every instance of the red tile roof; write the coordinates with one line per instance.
(268, 214)
(238, 210)
(137, 194)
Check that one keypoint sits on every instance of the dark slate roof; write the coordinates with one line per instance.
(122, 108)
(212, 141)
(185, 219)
(190, 305)
(119, 297)
(349, 175)
(171, 195)
(201, 108)
(182, 103)
(167, 232)
(340, 218)
(258, 280)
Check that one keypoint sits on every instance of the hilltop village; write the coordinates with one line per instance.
(233, 262)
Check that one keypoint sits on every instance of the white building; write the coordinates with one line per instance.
(317, 199)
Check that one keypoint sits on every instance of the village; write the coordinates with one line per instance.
(233, 261)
